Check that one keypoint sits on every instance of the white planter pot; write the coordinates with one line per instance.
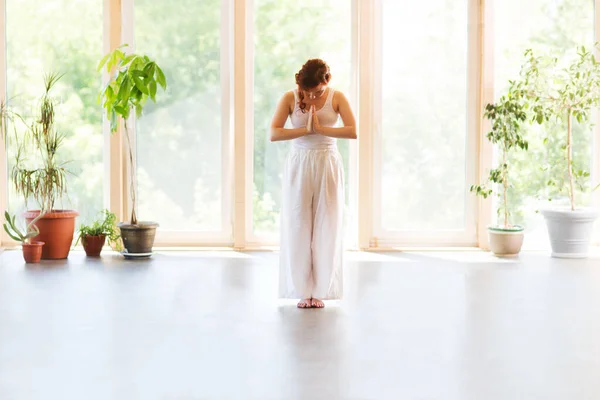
(505, 242)
(570, 231)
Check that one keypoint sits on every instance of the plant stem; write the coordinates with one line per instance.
(132, 186)
(569, 159)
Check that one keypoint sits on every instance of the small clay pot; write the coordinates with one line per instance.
(32, 252)
(93, 245)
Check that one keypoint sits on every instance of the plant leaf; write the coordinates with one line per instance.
(152, 88)
(140, 85)
(12, 236)
(160, 77)
(138, 110)
(128, 59)
(102, 62)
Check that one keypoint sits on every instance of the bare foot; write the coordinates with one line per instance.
(316, 303)
(305, 303)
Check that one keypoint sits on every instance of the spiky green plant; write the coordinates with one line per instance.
(23, 236)
(7, 118)
(40, 177)
(107, 226)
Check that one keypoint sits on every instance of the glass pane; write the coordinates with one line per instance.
(544, 26)
(67, 38)
(281, 29)
(424, 110)
(179, 138)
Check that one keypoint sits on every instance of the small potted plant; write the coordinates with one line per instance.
(562, 95)
(32, 250)
(43, 178)
(133, 79)
(507, 116)
(94, 236)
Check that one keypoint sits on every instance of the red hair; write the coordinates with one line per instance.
(313, 73)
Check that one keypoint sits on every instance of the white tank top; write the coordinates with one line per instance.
(327, 117)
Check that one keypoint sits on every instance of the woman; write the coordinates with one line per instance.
(313, 186)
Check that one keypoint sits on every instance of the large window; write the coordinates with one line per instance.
(418, 71)
(180, 140)
(421, 155)
(287, 33)
(544, 26)
(60, 36)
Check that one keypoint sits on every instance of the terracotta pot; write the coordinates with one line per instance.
(56, 231)
(93, 245)
(32, 252)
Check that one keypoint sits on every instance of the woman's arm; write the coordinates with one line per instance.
(348, 131)
(282, 112)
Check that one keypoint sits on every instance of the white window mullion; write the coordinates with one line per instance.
(242, 106)
(486, 95)
(351, 238)
(3, 164)
(227, 150)
(113, 148)
(128, 37)
(595, 173)
(368, 84)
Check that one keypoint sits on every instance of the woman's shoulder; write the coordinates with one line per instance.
(289, 98)
(337, 93)
(338, 96)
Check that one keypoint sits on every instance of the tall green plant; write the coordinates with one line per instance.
(507, 116)
(37, 173)
(564, 93)
(133, 79)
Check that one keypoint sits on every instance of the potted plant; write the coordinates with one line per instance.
(43, 178)
(32, 250)
(132, 80)
(506, 116)
(94, 236)
(564, 94)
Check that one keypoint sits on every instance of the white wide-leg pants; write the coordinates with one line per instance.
(312, 225)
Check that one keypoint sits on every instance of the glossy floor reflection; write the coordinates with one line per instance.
(203, 325)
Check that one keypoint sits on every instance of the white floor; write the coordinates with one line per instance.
(208, 325)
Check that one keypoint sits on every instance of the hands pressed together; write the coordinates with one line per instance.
(313, 126)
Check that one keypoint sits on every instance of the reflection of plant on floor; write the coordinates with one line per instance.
(106, 226)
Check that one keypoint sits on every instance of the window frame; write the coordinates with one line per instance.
(257, 241)
(237, 85)
(467, 237)
(170, 237)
